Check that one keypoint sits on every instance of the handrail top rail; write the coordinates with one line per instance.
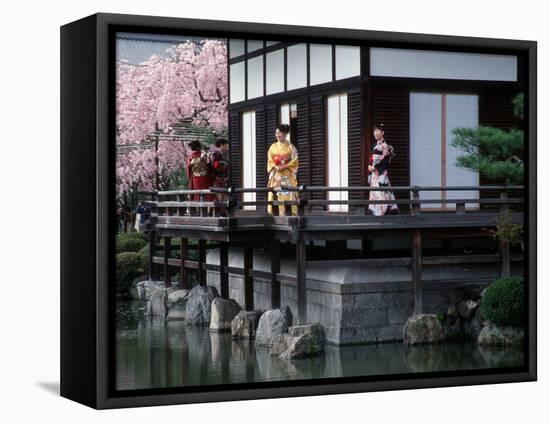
(304, 188)
(407, 188)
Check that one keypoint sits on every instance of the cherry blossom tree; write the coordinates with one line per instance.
(188, 84)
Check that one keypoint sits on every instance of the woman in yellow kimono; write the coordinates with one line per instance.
(282, 167)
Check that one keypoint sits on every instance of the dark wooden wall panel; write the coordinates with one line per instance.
(271, 123)
(391, 107)
(261, 151)
(317, 143)
(497, 111)
(355, 141)
(235, 174)
(302, 143)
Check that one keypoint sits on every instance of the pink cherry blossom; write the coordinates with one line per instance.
(189, 84)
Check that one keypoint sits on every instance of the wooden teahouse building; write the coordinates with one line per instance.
(332, 94)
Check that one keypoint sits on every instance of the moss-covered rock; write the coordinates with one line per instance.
(422, 329)
(493, 335)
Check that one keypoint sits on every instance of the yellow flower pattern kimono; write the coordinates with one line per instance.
(282, 153)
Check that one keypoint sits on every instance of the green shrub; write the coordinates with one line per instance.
(144, 258)
(502, 302)
(132, 242)
(128, 267)
(136, 235)
(133, 235)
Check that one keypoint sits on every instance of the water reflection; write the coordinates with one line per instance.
(159, 353)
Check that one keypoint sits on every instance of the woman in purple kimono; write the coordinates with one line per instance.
(382, 154)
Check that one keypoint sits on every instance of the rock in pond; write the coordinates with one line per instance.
(475, 325)
(422, 329)
(223, 312)
(272, 324)
(157, 306)
(244, 324)
(493, 335)
(145, 288)
(178, 296)
(300, 341)
(199, 305)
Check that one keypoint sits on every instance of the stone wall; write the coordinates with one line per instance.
(357, 303)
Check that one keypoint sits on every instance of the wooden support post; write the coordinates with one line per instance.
(153, 268)
(248, 278)
(287, 209)
(184, 277)
(505, 258)
(301, 285)
(167, 252)
(186, 210)
(203, 211)
(504, 244)
(201, 253)
(231, 202)
(302, 202)
(366, 247)
(415, 208)
(224, 274)
(275, 207)
(275, 250)
(417, 271)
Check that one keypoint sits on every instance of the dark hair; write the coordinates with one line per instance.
(195, 145)
(221, 141)
(380, 126)
(283, 127)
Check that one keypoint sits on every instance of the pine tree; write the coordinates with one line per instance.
(495, 153)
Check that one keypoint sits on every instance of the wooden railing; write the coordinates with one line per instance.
(228, 202)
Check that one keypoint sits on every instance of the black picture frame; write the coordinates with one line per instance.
(87, 193)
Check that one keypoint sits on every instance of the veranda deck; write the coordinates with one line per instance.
(230, 219)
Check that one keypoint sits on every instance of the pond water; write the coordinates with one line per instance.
(154, 353)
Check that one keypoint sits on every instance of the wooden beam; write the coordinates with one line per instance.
(275, 250)
(201, 252)
(224, 274)
(301, 286)
(167, 251)
(192, 220)
(417, 271)
(184, 276)
(505, 258)
(248, 265)
(504, 244)
(153, 268)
